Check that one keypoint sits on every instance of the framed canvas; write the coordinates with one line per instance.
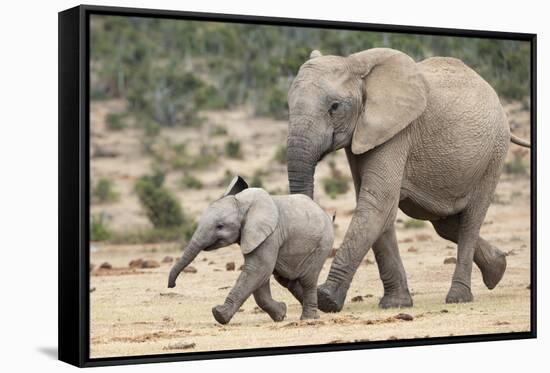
(234, 186)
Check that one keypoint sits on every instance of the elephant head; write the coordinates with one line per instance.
(248, 218)
(361, 101)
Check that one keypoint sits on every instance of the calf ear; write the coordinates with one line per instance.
(261, 217)
(236, 185)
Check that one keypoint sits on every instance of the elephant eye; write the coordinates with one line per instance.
(333, 107)
(219, 226)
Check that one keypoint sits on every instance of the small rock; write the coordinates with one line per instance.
(528, 287)
(412, 249)
(136, 263)
(204, 259)
(211, 262)
(358, 298)
(368, 261)
(240, 310)
(449, 260)
(150, 264)
(230, 266)
(224, 288)
(241, 267)
(167, 319)
(423, 237)
(404, 317)
(332, 253)
(444, 311)
(179, 346)
(92, 290)
(392, 338)
(499, 323)
(257, 309)
(106, 265)
(190, 269)
(167, 259)
(217, 270)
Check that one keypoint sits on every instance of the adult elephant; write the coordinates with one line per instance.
(429, 138)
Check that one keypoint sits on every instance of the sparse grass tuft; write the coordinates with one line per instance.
(218, 130)
(189, 181)
(414, 224)
(115, 121)
(280, 154)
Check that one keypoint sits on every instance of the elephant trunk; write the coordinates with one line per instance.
(302, 156)
(189, 254)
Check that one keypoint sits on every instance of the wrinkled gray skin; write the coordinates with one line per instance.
(288, 236)
(429, 138)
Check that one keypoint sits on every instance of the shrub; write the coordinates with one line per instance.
(98, 229)
(233, 149)
(335, 186)
(115, 121)
(218, 130)
(414, 223)
(103, 191)
(182, 160)
(336, 183)
(517, 166)
(155, 235)
(280, 154)
(188, 181)
(161, 207)
(257, 179)
(226, 179)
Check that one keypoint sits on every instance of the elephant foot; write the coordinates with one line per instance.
(459, 294)
(222, 314)
(331, 297)
(396, 300)
(494, 269)
(309, 315)
(278, 313)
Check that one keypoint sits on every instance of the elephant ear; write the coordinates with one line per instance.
(394, 94)
(261, 217)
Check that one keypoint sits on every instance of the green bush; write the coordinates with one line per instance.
(257, 179)
(189, 181)
(161, 207)
(280, 154)
(103, 191)
(233, 149)
(414, 223)
(336, 183)
(98, 228)
(154, 235)
(218, 130)
(517, 166)
(115, 121)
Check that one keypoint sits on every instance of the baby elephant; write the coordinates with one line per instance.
(289, 236)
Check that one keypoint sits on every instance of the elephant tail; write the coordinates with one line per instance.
(519, 141)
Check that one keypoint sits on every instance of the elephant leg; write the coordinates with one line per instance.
(262, 296)
(309, 304)
(292, 285)
(258, 267)
(489, 259)
(392, 272)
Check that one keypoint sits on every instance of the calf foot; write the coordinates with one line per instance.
(331, 297)
(396, 300)
(278, 313)
(459, 293)
(222, 314)
(309, 315)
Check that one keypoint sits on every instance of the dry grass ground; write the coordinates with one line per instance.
(134, 313)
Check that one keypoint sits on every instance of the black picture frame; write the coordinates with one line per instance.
(74, 185)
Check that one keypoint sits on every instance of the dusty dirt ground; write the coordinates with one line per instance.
(134, 313)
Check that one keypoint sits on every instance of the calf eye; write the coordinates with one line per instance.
(219, 226)
(333, 107)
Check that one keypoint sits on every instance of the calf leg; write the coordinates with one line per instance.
(262, 296)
